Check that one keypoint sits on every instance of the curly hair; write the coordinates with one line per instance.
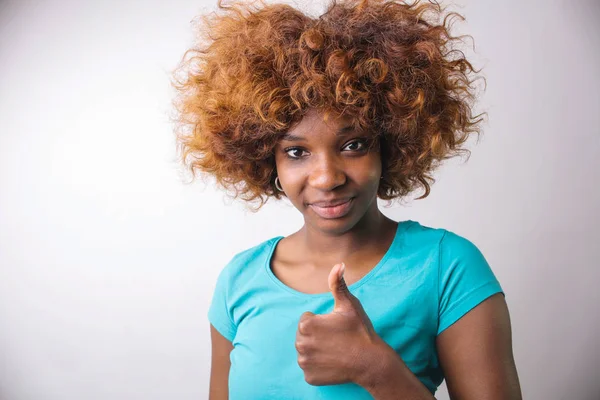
(256, 69)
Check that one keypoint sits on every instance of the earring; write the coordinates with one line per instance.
(278, 184)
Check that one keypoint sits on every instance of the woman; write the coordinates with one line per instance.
(333, 112)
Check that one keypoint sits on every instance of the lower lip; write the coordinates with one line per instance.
(338, 211)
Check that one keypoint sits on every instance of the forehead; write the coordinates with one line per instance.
(318, 121)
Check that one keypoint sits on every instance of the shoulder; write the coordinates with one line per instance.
(248, 260)
(449, 243)
(417, 233)
(454, 247)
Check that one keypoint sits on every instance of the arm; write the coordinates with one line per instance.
(220, 364)
(391, 379)
(475, 354)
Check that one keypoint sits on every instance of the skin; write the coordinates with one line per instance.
(322, 160)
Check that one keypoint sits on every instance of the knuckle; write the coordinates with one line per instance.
(311, 379)
(300, 347)
(306, 316)
(303, 361)
(305, 325)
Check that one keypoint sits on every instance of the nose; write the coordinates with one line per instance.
(327, 174)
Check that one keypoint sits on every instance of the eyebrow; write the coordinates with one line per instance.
(294, 138)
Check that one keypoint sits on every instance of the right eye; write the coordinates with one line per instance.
(294, 152)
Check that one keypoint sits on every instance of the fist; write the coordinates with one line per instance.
(336, 348)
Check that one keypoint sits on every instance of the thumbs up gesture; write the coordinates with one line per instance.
(338, 347)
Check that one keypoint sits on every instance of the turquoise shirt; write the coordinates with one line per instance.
(425, 282)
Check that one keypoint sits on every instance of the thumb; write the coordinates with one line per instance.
(339, 290)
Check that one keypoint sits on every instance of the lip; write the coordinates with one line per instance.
(332, 209)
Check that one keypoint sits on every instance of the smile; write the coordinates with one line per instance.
(338, 210)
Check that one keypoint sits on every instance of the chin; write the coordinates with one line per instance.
(334, 226)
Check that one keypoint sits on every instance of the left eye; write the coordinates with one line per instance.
(355, 145)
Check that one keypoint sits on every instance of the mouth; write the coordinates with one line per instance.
(332, 209)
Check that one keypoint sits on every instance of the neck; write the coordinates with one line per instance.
(328, 248)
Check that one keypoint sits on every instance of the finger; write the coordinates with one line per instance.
(300, 345)
(341, 295)
(305, 322)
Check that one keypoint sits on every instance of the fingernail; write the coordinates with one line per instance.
(342, 270)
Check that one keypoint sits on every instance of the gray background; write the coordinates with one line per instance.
(108, 261)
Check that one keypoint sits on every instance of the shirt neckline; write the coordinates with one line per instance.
(400, 229)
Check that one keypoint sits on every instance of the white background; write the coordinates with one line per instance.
(108, 260)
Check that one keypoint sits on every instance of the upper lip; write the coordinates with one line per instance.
(331, 203)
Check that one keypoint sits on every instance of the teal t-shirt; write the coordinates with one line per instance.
(425, 282)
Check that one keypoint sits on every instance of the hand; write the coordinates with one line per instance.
(338, 347)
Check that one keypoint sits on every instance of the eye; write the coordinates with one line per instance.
(294, 152)
(356, 145)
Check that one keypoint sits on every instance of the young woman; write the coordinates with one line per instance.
(362, 102)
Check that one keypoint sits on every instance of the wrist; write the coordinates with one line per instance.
(386, 375)
(377, 363)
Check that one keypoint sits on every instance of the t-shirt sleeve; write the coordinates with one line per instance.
(219, 312)
(465, 279)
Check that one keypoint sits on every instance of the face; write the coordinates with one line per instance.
(327, 171)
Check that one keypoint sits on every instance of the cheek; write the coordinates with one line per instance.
(293, 181)
(290, 176)
(369, 172)
(281, 166)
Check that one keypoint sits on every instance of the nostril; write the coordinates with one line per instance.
(327, 180)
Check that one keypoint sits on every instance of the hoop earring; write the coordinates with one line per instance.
(278, 184)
